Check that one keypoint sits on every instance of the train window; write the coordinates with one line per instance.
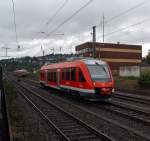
(48, 75)
(63, 74)
(81, 76)
(51, 76)
(41, 75)
(99, 72)
(73, 74)
(54, 76)
(67, 74)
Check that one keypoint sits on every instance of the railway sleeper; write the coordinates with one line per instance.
(72, 131)
(56, 116)
(80, 134)
(62, 121)
(70, 127)
(86, 138)
(66, 124)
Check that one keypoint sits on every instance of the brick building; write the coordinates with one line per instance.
(115, 55)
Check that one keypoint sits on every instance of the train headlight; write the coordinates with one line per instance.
(113, 90)
(106, 90)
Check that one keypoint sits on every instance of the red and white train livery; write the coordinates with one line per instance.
(90, 78)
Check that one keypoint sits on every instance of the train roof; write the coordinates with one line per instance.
(21, 70)
(87, 61)
(93, 61)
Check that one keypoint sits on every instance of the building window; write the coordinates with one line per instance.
(73, 74)
(81, 76)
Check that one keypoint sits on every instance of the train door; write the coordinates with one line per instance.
(58, 77)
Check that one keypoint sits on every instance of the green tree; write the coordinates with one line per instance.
(148, 58)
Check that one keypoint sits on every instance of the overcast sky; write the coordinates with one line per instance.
(36, 19)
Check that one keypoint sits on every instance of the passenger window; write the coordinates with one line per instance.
(73, 74)
(55, 76)
(63, 74)
(41, 75)
(81, 76)
(51, 76)
(67, 74)
(48, 75)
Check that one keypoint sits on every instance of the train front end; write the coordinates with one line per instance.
(102, 80)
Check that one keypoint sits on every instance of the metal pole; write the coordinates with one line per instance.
(94, 41)
(1, 78)
(43, 57)
(103, 28)
(6, 51)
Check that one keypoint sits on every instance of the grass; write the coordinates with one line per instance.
(126, 82)
(14, 116)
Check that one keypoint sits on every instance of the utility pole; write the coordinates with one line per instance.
(43, 57)
(60, 52)
(1, 78)
(42, 50)
(43, 53)
(60, 49)
(94, 41)
(6, 50)
(103, 28)
(53, 50)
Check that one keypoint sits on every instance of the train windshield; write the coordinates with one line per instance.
(99, 73)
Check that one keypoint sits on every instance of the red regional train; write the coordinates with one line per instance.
(90, 78)
(21, 73)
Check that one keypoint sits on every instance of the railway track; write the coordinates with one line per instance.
(132, 112)
(119, 124)
(118, 103)
(125, 110)
(135, 98)
(66, 125)
(134, 115)
(120, 95)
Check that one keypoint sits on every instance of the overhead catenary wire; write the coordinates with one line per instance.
(125, 12)
(54, 15)
(57, 11)
(69, 18)
(121, 14)
(15, 25)
(128, 10)
(121, 29)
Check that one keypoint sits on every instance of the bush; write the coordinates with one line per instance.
(144, 80)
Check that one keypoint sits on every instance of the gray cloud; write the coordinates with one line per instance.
(32, 16)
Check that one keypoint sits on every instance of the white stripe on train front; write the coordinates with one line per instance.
(52, 86)
(78, 89)
(42, 82)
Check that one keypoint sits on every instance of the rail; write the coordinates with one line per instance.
(92, 130)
